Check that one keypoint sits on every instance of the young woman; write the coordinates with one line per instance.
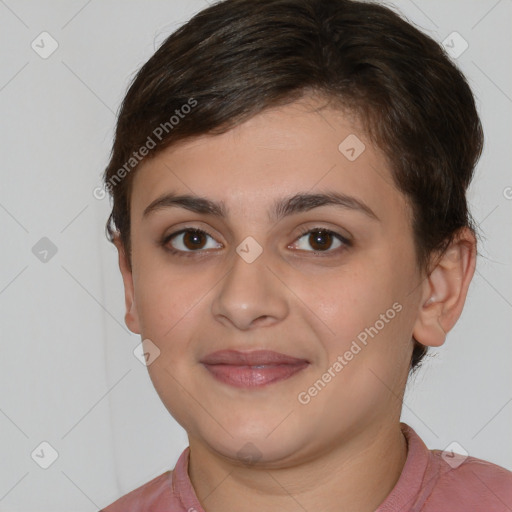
(288, 182)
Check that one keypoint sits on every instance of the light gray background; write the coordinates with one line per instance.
(68, 375)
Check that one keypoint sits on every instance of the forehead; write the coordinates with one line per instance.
(298, 148)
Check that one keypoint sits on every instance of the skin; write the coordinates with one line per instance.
(320, 455)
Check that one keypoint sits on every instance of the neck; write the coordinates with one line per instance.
(355, 475)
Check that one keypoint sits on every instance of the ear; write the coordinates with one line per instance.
(445, 290)
(131, 317)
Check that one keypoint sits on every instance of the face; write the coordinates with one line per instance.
(304, 247)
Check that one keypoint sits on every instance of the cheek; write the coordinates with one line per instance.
(164, 298)
(368, 312)
(353, 299)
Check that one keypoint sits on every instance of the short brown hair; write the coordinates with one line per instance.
(239, 57)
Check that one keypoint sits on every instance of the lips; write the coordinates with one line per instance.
(254, 358)
(252, 369)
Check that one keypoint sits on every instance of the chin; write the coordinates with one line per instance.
(252, 447)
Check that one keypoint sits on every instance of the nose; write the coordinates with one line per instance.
(250, 295)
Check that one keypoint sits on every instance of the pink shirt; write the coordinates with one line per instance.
(428, 483)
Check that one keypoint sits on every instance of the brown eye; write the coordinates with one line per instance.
(190, 240)
(321, 240)
(194, 239)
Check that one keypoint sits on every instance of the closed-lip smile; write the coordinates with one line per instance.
(252, 369)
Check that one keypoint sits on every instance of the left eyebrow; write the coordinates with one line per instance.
(285, 207)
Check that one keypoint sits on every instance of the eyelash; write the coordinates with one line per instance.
(304, 231)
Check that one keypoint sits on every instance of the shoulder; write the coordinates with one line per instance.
(444, 481)
(471, 482)
(156, 492)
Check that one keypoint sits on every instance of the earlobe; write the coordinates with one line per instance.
(131, 316)
(445, 290)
